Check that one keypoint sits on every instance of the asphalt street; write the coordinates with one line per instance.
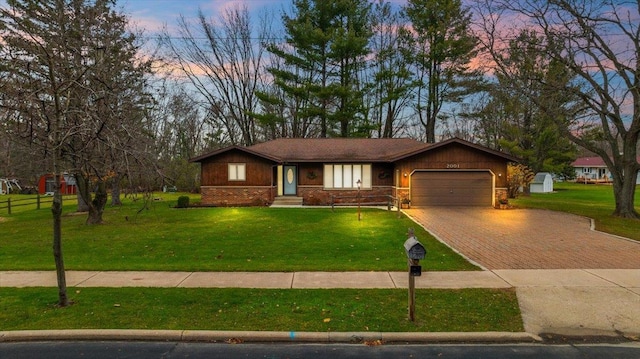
(171, 350)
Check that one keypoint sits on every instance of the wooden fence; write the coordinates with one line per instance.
(34, 202)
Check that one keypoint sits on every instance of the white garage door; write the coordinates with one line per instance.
(451, 188)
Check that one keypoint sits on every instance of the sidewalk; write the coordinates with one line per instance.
(570, 302)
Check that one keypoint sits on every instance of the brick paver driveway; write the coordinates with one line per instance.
(527, 239)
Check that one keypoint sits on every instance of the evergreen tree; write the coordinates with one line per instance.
(444, 46)
(325, 50)
(531, 133)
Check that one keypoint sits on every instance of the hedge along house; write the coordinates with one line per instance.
(316, 171)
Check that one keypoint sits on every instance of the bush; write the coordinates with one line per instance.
(183, 202)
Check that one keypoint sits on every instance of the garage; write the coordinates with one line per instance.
(452, 188)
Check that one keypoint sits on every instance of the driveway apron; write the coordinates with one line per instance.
(527, 239)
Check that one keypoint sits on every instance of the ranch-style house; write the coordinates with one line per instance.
(320, 171)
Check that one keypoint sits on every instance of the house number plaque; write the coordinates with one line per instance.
(453, 165)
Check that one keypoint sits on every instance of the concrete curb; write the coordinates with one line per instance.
(264, 336)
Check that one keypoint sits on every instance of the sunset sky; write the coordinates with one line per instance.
(153, 14)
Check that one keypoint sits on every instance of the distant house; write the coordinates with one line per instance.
(316, 171)
(594, 170)
(542, 183)
(46, 184)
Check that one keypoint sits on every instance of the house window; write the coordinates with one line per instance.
(237, 172)
(347, 175)
(586, 170)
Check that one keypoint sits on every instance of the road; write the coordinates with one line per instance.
(169, 350)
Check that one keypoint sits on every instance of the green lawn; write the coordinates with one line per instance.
(345, 310)
(258, 239)
(593, 201)
(219, 239)
(161, 237)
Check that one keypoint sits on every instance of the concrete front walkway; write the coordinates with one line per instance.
(283, 280)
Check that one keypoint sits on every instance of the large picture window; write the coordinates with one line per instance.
(347, 175)
(237, 172)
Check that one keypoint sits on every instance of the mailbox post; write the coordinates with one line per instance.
(359, 183)
(415, 252)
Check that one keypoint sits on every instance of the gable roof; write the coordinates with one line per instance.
(588, 162)
(594, 161)
(462, 142)
(231, 148)
(284, 150)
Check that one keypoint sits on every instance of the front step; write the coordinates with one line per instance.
(287, 201)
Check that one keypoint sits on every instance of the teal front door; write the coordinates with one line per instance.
(290, 181)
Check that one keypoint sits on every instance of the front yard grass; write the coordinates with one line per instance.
(164, 238)
(342, 310)
(593, 201)
(238, 239)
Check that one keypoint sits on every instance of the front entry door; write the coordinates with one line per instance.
(290, 181)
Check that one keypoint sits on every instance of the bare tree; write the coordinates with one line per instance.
(181, 130)
(70, 64)
(223, 59)
(599, 42)
(390, 91)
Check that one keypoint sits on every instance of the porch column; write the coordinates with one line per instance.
(279, 180)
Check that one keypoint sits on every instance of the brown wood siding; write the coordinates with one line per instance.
(382, 174)
(258, 170)
(453, 157)
(310, 174)
(451, 188)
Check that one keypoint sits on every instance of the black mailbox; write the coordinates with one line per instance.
(415, 250)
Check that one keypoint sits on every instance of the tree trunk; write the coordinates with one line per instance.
(115, 192)
(82, 204)
(624, 192)
(56, 210)
(97, 204)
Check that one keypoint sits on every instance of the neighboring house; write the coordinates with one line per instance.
(47, 185)
(594, 170)
(542, 183)
(316, 171)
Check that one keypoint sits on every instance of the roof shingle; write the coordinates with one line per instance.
(337, 149)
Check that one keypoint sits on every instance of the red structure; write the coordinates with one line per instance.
(46, 184)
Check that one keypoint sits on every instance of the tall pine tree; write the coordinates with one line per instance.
(444, 46)
(324, 55)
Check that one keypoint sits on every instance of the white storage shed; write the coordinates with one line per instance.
(542, 183)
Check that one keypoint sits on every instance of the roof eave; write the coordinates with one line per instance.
(460, 141)
(231, 148)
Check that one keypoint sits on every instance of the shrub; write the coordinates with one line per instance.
(183, 202)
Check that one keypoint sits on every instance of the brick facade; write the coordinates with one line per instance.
(237, 196)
